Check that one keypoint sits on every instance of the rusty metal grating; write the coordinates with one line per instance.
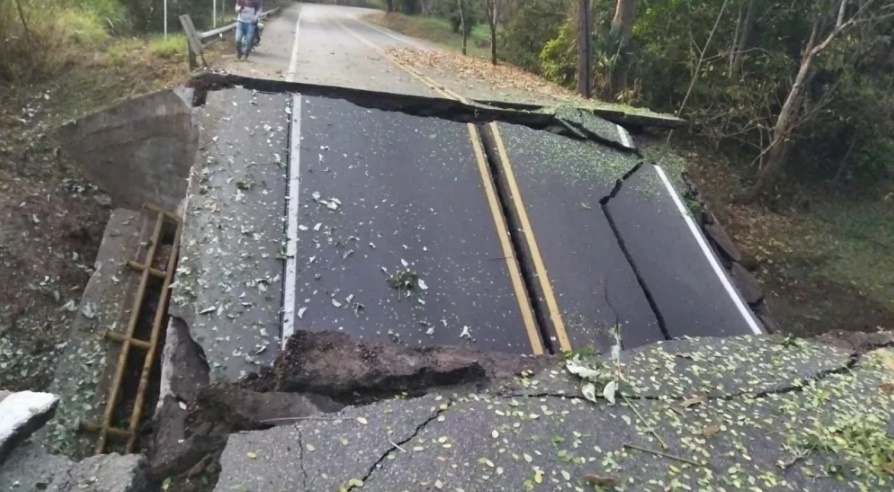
(128, 340)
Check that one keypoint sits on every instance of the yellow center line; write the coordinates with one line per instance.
(539, 267)
(496, 212)
(503, 232)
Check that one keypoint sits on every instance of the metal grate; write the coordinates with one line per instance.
(128, 340)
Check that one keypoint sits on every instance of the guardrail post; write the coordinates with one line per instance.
(193, 43)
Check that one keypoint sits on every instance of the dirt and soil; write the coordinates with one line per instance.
(317, 373)
(51, 217)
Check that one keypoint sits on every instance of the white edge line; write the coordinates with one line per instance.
(625, 138)
(293, 61)
(291, 280)
(734, 295)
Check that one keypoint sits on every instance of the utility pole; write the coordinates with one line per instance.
(166, 18)
(214, 13)
(583, 48)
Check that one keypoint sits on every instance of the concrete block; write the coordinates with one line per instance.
(138, 151)
(21, 414)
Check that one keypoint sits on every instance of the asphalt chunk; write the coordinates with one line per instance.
(561, 182)
(689, 293)
(229, 278)
(396, 239)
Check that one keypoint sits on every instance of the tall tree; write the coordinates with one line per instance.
(741, 37)
(828, 25)
(622, 23)
(389, 5)
(493, 15)
(462, 23)
(619, 40)
(583, 48)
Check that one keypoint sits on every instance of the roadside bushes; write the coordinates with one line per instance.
(40, 40)
(558, 59)
(526, 33)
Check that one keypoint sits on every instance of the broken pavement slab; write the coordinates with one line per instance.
(712, 367)
(690, 291)
(138, 151)
(826, 435)
(30, 467)
(21, 414)
(328, 454)
(561, 183)
(385, 194)
(725, 367)
(104, 473)
(228, 288)
(596, 128)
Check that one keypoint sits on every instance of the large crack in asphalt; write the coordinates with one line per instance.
(854, 359)
(536, 296)
(537, 118)
(603, 204)
(301, 458)
(396, 446)
(850, 360)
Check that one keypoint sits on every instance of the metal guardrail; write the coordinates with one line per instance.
(210, 37)
(196, 42)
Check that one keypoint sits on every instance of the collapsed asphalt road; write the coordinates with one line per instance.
(429, 222)
(339, 413)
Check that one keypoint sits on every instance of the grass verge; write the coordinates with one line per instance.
(436, 30)
(825, 265)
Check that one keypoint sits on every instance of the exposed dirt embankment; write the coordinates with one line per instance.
(317, 373)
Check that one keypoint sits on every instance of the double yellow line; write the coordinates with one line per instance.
(495, 210)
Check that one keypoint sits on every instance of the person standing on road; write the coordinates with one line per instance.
(247, 13)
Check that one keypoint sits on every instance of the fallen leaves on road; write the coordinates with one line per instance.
(601, 481)
(693, 401)
(474, 69)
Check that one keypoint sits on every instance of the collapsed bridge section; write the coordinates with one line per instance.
(439, 225)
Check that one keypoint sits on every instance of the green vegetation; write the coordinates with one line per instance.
(48, 37)
(727, 66)
(173, 46)
(440, 31)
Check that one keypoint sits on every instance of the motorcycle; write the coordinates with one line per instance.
(259, 26)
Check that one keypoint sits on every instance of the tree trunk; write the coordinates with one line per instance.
(492, 22)
(25, 26)
(462, 24)
(622, 23)
(583, 48)
(788, 119)
(778, 148)
(619, 39)
(389, 5)
(744, 26)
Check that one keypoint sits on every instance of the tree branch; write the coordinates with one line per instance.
(701, 58)
(839, 27)
(841, 10)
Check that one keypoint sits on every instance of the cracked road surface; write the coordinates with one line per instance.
(743, 413)
(428, 231)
